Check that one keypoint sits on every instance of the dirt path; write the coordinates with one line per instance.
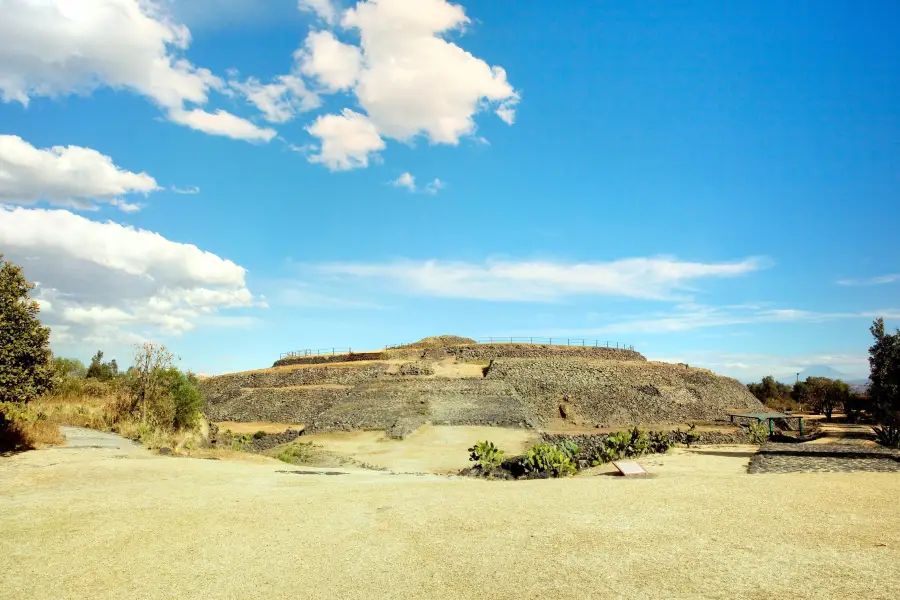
(102, 519)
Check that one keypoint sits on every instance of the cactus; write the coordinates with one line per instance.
(486, 455)
(542, 458)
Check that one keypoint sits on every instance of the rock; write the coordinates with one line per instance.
(165, 451)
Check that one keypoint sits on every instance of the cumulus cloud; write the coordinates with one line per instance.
(58, 47)
(642, 278)
(405, 75)
(279, 102)
(348, 140)
(116, 282)
(335, 65)
(223, 123)
(69, 176)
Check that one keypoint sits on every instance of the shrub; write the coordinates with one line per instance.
(660, 442)
(887, 436)
(187, 399)
(259, 435)
(241, 443)
(639, 442)
(758, 433)
(486, 456)
(22, 428)
(614, 447)
(691, 436)
(547, 458)
(296, 453)
(570, 448)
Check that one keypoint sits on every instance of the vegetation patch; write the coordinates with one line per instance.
(565, 456)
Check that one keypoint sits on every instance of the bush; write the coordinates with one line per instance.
(614, 447)
(547, 458)
(486, 456)
(758, 433)
(187, 399)
(22, 428)
(887, 436)
(296, 453)
(639, 443)
(259, 435)
(660, 442)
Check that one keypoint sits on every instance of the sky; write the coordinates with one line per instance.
(713, 183)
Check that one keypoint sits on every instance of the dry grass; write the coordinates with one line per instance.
(111, 412)
(29, 435)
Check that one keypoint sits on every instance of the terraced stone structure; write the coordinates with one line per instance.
(455, 381)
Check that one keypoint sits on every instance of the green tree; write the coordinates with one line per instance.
(104, 371)
(68, 367)
(186, 398)
(884, 375)
(26, 369)
(769, 389)
(150, 383)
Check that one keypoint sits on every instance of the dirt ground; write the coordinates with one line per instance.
(252, 427)
(118, 522)
(429, 449)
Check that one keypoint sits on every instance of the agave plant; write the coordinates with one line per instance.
(888, 436)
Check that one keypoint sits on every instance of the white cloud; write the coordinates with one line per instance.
(53, 47)
(407, 78)
(189, 191)
(644, 278)
(281, 101)
(881, 280)
(108, 281)
(223, 123)
(692, 317)
(58, 47)
(69, 176)
(753, 367)
(347, 140)
(414, 81)
(407, 180)
(334, 64)
(324, 8)
(435, 186)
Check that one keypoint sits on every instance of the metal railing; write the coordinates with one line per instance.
(316, 352)
(561, 341)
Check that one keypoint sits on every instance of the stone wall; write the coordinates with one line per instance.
(277, 405)
(382, 404)
(322, 359)
(485, 352)
(614, 393)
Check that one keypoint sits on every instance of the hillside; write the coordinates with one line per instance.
(465, 383)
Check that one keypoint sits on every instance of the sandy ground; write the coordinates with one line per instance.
(252, 427)
(429, 449)
(118, 522)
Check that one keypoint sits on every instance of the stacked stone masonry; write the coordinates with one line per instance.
(524, 385)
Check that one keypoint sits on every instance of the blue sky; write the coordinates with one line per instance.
(714, 183)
